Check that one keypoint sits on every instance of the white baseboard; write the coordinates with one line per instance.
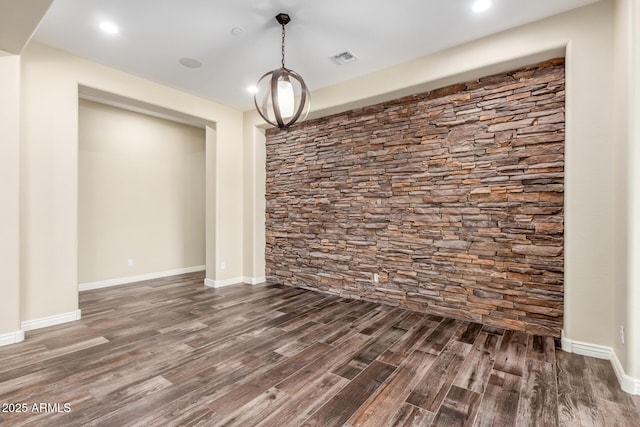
(628, 384)
(586, 349)
(138, 278)
(11, 338)
(29, 325)
(254, 280)
(222, 283)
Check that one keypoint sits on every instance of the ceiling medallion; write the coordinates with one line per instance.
(282, 97)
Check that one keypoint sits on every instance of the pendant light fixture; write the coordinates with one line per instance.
(282, 97)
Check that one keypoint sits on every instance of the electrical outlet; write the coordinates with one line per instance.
(376, 278)
(130, 262)
(223, 265)
(622, 334)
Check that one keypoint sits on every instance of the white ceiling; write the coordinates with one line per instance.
(155, 34)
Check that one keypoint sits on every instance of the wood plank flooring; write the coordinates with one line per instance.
(170, 352)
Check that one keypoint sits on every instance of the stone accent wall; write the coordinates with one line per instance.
(453, 197)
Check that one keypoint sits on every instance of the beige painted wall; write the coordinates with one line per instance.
(621, 237)
(633, 302)
(141, 194)
(18, 22)
(254, 203)
(626, 137)
(586, 35)
(627, 307)
(9, 193)
(49, 172)
(211, 214)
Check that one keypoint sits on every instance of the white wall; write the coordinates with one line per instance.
(141, 194)
(49, 172)
(586, 36)
(9, 196)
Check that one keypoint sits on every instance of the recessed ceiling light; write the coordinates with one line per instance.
(252, 89)
(236, 31)
(190, 62)
(481, 5)
(109, 28)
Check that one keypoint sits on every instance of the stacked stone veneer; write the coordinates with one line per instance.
(454, 197)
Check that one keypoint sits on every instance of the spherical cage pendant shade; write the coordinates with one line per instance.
(282, 98)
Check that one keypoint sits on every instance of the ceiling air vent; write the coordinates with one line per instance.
(344, 57)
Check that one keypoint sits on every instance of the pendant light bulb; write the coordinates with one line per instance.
(286, 98)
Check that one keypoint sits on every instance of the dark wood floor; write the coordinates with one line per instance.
(170, 352)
